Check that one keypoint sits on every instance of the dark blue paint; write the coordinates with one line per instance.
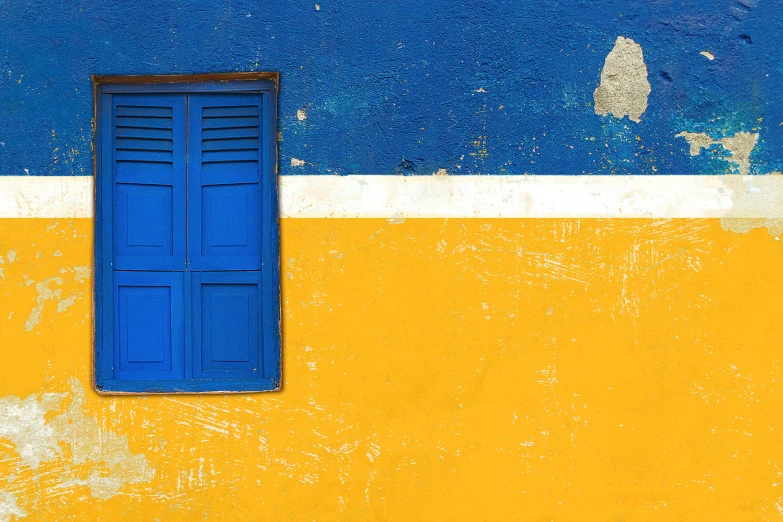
(208, 321)
(394, 86)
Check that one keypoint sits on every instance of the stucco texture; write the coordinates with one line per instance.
(433, 370)
(414, 87)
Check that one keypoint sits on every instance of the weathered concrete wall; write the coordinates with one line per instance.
(505, 350)
(413, 87)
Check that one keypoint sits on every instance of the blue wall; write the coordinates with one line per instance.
(411, 87)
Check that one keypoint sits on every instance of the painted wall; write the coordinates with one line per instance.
(411, 87)
(590, 348)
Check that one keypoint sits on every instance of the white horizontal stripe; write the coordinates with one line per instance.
(46, 197)
(531, 196)
(391, 196)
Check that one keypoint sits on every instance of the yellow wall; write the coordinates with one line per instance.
(563, 370)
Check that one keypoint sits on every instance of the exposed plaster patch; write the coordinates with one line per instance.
(81, 273)
(624, 87)
(301, 114)
(8, 505)
(397, 219)
(441, 172)
(708, 55)
(740, 146)
(64, 304)
(297, 162)
(23, 422)
(115, 465)
(754, 196)
(44, 294)
(11, 256)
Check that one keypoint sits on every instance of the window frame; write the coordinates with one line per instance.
(103, 282)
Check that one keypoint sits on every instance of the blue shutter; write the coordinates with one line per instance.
(225, 162)
(187, 239)
(227, 325)
(230, 181)
(149, 158)
(149, 326)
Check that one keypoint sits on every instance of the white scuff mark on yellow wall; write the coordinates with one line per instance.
(9, 507)
(115, 464)
(48, 290)
(66, 303)
(624, 88)
(44, 294)
(23, 423)
(81, 273)
(740, 146)
(396, 219)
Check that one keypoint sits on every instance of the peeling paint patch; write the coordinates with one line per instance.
(708, 55)
(44, 294)
(740, 146)
(22, 422)
(297, 162)
(115, 464)
(8, 505)
(624, 88)
(72, 436)
(754, 196)
(397, 219)
(301, 114)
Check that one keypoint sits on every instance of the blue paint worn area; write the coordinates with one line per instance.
(412, 87)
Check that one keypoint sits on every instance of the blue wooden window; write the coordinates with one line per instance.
(187, 291)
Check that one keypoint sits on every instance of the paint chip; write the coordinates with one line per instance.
(297, 162)
(624, 88)
(301, 114)
(754, 196)
(708, 55)
(739, 146)
(112, 465)
(8, 505)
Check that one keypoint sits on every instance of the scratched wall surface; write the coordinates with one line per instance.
(509, 86)
(434, 370)
(547, 366)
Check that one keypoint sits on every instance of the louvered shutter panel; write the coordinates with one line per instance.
(225, 164)
(149, 158)
(149, 183)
